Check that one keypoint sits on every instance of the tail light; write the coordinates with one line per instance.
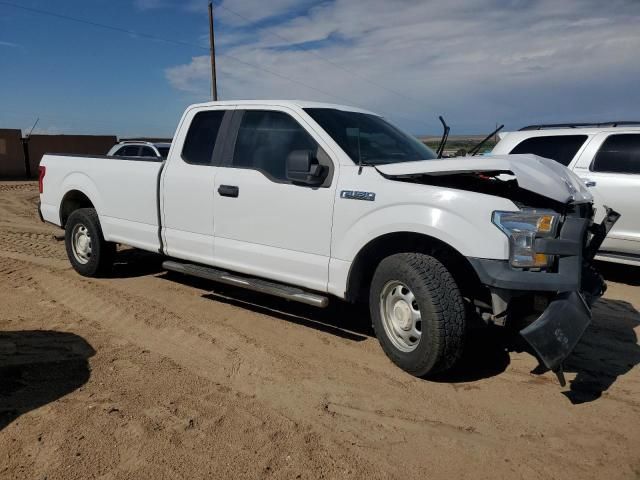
(42, 170)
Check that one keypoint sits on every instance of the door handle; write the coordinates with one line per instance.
(228, 191)
(589, 183)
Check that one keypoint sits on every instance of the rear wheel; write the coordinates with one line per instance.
(418, 313)
(89, 253)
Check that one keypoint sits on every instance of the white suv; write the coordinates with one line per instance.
(137, 148)
(607, 157)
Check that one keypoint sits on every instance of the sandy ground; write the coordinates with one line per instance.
(149, 375)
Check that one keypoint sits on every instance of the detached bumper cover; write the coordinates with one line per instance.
(558, 330)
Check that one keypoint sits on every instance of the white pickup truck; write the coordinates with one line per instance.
(306, 200)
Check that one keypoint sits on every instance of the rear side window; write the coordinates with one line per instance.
(618, 154)
(265, 141)
(147, 152)
(201, 137)
(164, 151)
(128, 151)
(561, 148)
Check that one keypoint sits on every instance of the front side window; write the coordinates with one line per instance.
(369, 138)
(201, 137)
(265, 141)
(561, 148)
(618, 154)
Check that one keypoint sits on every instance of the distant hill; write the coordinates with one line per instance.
(457, 143)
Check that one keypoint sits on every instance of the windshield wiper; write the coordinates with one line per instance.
(474, 151)
(445, 136)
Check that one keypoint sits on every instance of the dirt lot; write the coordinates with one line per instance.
(147, 375)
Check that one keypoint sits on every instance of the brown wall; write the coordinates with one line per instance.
(83, 144)
(11, 154)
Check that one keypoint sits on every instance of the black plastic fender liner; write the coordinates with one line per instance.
(558, 330)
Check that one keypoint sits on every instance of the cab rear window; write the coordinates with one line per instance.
(561, 148)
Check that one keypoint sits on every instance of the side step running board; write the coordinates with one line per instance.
(255, 284)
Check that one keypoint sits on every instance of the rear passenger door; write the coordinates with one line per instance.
(187, 187)
(264, 224)
(611, 168)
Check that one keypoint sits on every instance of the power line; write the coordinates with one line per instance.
(322, 57)
(202, 47)
(169, 41)
(102, 25)
(330, 62)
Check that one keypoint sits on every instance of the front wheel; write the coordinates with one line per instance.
(89, 253)
(418, 313)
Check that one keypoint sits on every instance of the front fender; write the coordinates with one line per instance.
(472, 235)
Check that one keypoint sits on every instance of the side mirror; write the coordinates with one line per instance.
(303, 168)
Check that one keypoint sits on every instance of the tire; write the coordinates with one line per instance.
(89, 253)
(411, 286)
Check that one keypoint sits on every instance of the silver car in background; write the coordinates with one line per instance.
(139, 148)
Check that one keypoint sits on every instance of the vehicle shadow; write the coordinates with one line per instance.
(619, 273)
(131, 262)
(608, 350)
(486, 354)
(486, 350)
(339, 318)
(38, 367)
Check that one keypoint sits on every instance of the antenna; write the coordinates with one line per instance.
(445, 136)
(34, 126)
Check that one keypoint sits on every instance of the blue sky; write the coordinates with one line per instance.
(477, 62)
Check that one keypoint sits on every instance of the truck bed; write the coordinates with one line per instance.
(123, 190)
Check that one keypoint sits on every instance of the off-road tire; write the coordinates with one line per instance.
(100, 262)
(441, 307)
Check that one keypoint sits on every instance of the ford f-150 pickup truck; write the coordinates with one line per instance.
(306, 200)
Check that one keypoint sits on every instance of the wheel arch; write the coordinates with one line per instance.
(72, 201)
(369, 257)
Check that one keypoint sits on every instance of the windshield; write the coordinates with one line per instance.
(163, 151)
(369, 137)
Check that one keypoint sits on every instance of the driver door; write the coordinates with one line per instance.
(264, 224)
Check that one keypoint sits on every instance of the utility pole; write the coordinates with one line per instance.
(212, 51)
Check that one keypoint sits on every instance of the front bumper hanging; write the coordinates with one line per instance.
(558, 330)
(575, 286)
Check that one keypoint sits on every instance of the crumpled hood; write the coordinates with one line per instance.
(535, 174)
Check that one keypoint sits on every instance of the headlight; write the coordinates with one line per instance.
(523, 228)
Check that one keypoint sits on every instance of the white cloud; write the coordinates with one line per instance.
(191, 77)
(476, 61)
(239, 12)
(8, 44)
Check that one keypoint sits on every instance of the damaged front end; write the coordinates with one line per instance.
(562, 295)
(549, 279)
